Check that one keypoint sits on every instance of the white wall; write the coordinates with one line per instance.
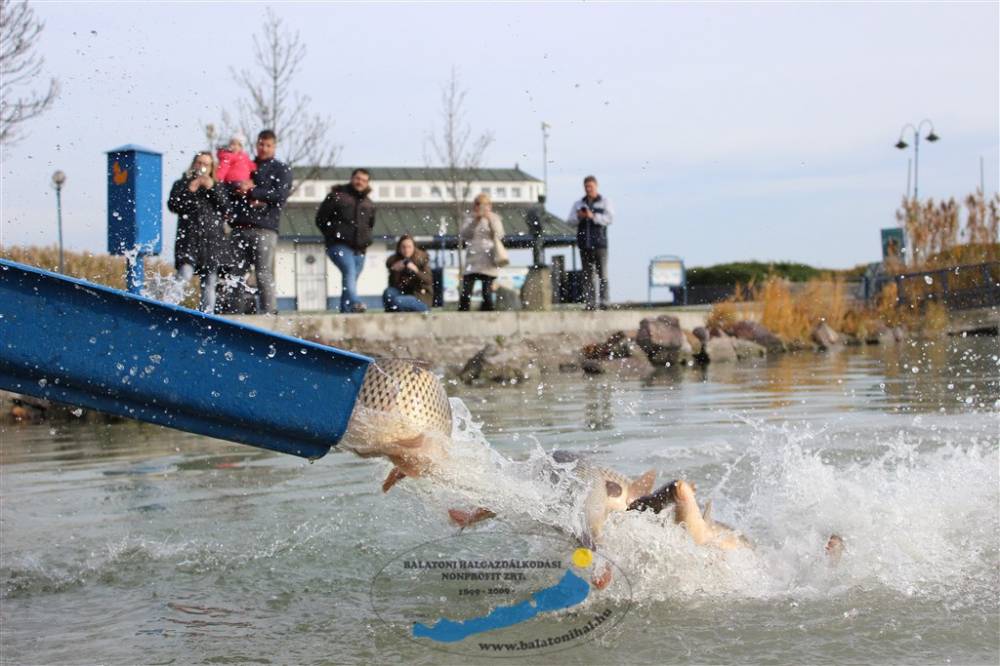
(284, 269)
(374, 278)
(389, 191)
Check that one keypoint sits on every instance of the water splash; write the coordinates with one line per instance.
(917, 510)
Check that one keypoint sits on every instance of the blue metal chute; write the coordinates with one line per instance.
(83, 344)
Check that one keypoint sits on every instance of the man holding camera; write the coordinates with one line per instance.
(592, 215)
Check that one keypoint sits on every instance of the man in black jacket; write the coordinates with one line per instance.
(257, 216)
(346, 218)
(592, 214)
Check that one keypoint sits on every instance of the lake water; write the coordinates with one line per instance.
(135, 544)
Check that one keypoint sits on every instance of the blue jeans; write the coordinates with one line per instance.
(396, 301)
(350, 265)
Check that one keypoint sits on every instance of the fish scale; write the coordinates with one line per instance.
(399, 400)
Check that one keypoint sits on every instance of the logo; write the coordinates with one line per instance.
(500, 594)
(119, 176)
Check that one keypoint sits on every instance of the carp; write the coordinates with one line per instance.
(403, 414)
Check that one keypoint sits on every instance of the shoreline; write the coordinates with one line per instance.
(509, 348)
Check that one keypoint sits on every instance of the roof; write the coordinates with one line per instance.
(409, 173)
(422, 221)
(133, 147)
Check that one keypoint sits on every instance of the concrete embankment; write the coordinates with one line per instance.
(548, 340)
(441, 326)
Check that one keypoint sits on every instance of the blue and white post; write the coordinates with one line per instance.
(135, 208)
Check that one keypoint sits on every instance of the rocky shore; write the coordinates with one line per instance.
(657, 344)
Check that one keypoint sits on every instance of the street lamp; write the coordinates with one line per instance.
(545, 156)
(58, 179)
(902, 145)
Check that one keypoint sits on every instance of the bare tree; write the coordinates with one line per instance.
(457, 152)
(211, 136)
(272, 102)
(20, 66)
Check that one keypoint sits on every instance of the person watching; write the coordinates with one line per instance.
(411, 283)
(346, 219)
(258, 215)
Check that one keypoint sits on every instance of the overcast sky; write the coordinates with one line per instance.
(720, 131)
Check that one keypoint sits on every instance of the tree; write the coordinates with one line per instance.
(457, 152)
(271, 101)
(20, 65)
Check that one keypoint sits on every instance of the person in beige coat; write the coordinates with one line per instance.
(478, 233)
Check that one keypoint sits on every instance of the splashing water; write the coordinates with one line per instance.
(918, 518)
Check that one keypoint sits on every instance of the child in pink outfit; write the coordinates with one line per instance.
(235, 164)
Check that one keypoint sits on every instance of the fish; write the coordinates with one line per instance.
(679, 495)
(699, 524)
(834, 549)
(402, 414)
(607, 491)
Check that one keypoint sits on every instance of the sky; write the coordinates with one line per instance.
(720, 131)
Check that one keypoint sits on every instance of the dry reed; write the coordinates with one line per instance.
(102, 269)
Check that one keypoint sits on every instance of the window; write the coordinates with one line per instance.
(399, 192)
(515, 192)
(416, 191)
(485, 190)
(451, 191)
(309, 190)
(383, 191)
(435, 191)
(501, 193)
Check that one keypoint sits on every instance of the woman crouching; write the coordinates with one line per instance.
(411, 284)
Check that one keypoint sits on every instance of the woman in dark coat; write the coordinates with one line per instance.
(411, 283)
(200, 203)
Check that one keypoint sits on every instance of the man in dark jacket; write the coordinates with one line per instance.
(346, 218)
(592, 214)
(257, 216)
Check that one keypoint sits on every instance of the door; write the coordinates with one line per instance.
(310, 277)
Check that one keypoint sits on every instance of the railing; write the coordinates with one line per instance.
(956, 287)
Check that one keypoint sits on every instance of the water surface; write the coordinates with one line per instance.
(129, 543)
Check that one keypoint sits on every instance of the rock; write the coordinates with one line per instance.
(506, 300)
(746, 349)
(592, 366)
(663, 341)
(825, 337)
(536, 292)
(617, 346)
(695, 342)
(853, 340)
(756, 332)
(720, 350)
(716, 346)
(499, 365)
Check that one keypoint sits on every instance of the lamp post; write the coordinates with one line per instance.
(545, 156)
(902, 145)
(58, 179)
